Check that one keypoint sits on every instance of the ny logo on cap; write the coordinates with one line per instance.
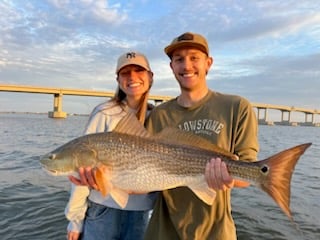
(185, 36)
(131, 55)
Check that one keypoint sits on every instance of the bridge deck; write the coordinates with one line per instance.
(59, 92)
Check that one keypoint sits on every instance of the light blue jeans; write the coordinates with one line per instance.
(104, 223)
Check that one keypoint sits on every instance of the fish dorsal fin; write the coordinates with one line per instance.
(177, 136)
(130, 124)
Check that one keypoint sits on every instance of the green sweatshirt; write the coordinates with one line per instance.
(227, 121)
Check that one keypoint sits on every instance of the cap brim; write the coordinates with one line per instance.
(171, 48)
(136, 64)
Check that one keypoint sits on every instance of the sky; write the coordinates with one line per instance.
(267, 51)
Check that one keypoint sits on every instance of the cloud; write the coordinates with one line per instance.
(274, 45)
(288, 80)
(267, 27)
(89, 11)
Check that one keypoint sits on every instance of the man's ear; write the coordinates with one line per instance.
(210, 63)
(171, 65)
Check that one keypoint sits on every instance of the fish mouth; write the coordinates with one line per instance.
(56, 172)
(45, 165)
(49, 171)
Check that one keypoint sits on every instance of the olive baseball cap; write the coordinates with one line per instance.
(132, 58)
(188, 39)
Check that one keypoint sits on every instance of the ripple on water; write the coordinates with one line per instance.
(33, 212)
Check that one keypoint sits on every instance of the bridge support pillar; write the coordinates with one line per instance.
(57, 107)
(264, 119)
(308, 122)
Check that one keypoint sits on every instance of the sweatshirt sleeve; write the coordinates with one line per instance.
(246, 141)
(76, 208)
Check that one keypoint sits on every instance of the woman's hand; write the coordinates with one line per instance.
(86, 178)
(73, 235)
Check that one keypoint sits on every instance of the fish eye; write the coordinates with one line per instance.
(264, 169)
(52, 156)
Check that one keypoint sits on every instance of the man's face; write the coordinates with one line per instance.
(190, 67)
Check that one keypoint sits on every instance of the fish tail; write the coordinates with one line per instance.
(279, 169)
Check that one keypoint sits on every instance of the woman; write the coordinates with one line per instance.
(91, 215)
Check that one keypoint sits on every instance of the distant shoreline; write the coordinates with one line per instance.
(42, 113)
(260, 123)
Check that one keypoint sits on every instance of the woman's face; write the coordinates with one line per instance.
(134, 80)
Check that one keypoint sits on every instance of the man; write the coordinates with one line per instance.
(226, 120)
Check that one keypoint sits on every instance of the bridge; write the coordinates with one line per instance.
(286, 114)
(59, 92)
(262, 109)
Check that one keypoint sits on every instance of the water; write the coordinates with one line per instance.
(255, 213)
(32, 202)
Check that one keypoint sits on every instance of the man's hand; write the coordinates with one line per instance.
(86, 178)
(217, 175)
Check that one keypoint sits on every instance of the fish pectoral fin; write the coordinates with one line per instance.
(202, 191)
(102, 176)
(120, 197)
(241, 183)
